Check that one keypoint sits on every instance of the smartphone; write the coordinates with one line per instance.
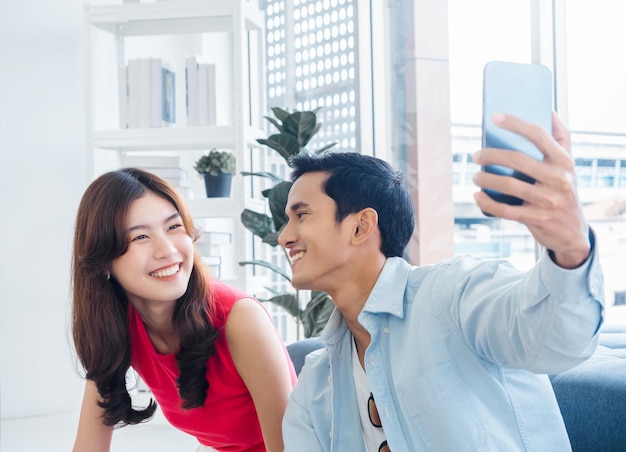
(522, 90)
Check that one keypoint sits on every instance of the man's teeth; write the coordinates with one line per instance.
(297, 256)
(166, 272)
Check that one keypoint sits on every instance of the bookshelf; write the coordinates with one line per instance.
(229, 34)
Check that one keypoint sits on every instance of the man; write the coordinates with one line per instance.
(449, 357)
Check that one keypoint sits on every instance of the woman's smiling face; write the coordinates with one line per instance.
(157, 265)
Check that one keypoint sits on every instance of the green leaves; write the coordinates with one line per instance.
(259, 224)
(301, 125)
(274, 268)
(313, 317)
(295, 130)
(277, 197)
(266, 174)
(316, 314)
(216, 162)
(286, 145)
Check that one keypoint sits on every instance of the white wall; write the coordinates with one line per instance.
(42, 176)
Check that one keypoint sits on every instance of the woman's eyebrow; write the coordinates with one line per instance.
(167, 220)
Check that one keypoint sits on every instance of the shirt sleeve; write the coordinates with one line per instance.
(545, 320)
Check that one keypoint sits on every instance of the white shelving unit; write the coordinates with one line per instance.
(228, 32)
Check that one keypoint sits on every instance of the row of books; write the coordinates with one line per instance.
(201, 92)
(147, 93)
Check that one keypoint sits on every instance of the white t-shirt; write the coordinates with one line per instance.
(373, 436)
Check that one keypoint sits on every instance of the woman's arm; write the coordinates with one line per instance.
(93, 435)
(260, 359)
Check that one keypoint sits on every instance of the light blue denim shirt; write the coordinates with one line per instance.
(457, 361)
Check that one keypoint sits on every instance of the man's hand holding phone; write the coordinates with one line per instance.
(549, 207)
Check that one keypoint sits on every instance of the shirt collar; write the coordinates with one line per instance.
(388, 293)
(387, 296)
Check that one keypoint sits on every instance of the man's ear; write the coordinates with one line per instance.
(366, 224)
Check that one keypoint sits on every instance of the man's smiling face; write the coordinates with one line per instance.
(318, 246)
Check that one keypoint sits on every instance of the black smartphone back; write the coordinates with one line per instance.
(522, 90)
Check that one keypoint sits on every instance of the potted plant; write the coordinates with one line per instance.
(295, 130)
(217, 168)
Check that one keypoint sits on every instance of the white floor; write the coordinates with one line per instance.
(56, 434)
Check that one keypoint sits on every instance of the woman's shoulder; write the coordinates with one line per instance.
(224, 296)
(225, 292)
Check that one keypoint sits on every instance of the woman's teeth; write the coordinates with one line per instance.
(166, 272)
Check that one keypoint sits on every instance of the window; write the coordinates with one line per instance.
(313, 60)
(479, 32)
(596, 96)
(310, 64)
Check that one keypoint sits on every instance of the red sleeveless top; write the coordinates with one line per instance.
(228, 420)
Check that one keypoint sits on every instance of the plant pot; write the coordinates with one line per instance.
(217, 186)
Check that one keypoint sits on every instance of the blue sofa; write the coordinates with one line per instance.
(592, 396)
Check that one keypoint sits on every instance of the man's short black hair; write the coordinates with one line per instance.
(357, 181)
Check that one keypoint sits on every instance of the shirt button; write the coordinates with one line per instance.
(330, 434)
(372, 360)
(330, 379)
(386, 330)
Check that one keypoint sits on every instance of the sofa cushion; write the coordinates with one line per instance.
(592, 397)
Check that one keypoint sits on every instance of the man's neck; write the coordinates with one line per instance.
(362, 339)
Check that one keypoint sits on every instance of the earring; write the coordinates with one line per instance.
(108, 276)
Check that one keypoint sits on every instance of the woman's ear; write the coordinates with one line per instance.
(366, 225)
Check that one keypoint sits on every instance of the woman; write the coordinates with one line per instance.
(208, 352)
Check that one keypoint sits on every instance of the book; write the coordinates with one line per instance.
(123, 96)
(191, 85)
(134, 93)
(207, 92)
(211, 95)
(145, 92)
(156, 92)
(168, 96)
(203, 94)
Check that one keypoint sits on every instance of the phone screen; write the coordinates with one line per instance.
(522, 90)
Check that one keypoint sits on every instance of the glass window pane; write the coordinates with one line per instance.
(481, 31)
(596, 79)
(310, 64)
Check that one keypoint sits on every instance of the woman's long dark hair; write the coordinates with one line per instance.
(100, 325)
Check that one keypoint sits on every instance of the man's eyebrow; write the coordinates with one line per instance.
(298, 205)
(167, 220)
